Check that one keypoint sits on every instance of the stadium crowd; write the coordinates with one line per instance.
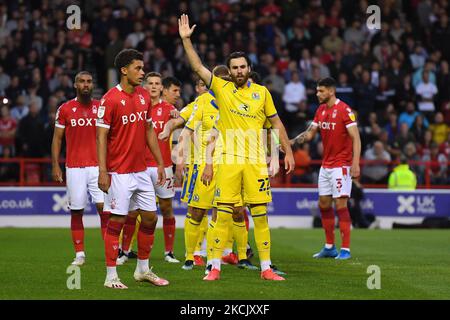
(396, 78)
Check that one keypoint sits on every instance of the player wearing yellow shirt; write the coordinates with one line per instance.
(243, 109)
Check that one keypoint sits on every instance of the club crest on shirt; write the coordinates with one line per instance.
(74, 109)
(113, 203)
(101, 112)
(255, 96)
(334, 113)
(142, 99)
(94, 109)
(159, 112)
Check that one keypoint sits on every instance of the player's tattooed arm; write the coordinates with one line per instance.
(170, 125)
(196, 63)
(306, 135)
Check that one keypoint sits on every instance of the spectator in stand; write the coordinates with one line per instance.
(439, 128)
(344, 91)
(377, 170)
(404, 136)
(8, 128)
(370, 131)
(437, 166)
(443, 82)
(302, 165)
(405, 92)
(5, 80)
(392, 126)
(365, 93)
(294, 93)
(20, 110)
(410, 114)
(30, 134)
(426, 92)
(410, 152)
(419, 128)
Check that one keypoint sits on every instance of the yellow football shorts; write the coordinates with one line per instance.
(248, 182)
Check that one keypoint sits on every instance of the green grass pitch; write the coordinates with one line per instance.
(414, 264)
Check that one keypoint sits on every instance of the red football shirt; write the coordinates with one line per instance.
(7, 125)
(337, 143)
(126, 116)
(160, 116)
(78, 120)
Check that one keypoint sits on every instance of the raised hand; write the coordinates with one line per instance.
(183, 27)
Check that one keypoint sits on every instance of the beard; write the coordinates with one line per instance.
(240, 82)
(324, 100)
(85, 94)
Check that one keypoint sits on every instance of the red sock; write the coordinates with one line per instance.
(328, 224)
(128, 230)
(247, 223)
(112, 242)
(146, 236)
(345, 223)
(77, 228)
(169, 233)
(104, 217)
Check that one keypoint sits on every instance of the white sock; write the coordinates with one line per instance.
(80, 254)
(111, 273)
(216, 264)
(226, 252)
(204, 245)
(142, 266)
(248, 245)
(265, 265)
(127, 252)
(328, 246)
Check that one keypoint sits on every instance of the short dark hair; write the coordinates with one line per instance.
(327, 82)
(126, 57)
(82, 73)
(168, 81)
(255, 77)
(152, 74)
(221, 71)
(238, 54)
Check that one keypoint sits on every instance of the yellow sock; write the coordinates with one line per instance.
(202, 233)
(136, 230)
(191, 232)
(262, 232)
(209, 240)
(221, 231)
(229, 244)
(240, 235)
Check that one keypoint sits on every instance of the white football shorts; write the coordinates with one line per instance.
(130, 191)
(80, 181)
(336, 182)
